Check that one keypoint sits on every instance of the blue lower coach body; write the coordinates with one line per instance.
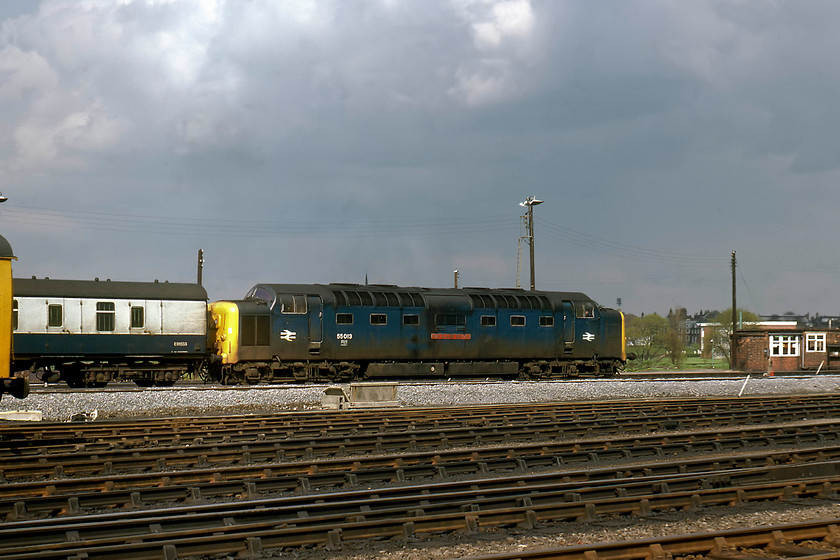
(95, 359)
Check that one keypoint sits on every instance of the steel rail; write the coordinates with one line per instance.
(304, 520)
(86, 461)
(22, 500)
(316, 424)
(776, 541)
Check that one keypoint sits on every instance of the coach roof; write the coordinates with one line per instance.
(34, 287)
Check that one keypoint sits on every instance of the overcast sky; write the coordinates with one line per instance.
(334, 140)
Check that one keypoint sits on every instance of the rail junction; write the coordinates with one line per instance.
(252, 486)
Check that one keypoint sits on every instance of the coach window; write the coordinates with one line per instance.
(14, 315)
(54, 315)
(138, 317)
(488, 320)
(546, 321)
(411, 320)
(378, 319)
(105, 316)
(517, 320)
(343, 318)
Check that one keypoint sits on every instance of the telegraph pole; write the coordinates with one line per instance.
(529, 203)
(733, 343)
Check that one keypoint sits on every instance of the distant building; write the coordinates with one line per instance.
(799, 343)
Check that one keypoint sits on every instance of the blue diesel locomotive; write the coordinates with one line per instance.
(340, 332)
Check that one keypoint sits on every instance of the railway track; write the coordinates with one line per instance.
(38, 387)
(814, 540)
(242, 486)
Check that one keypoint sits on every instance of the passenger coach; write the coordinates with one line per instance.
(88, 333)
(348, 331)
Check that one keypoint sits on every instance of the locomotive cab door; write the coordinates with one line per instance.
(568, 327)
(316, 320)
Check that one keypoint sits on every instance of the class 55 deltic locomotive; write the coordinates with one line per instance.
(343, 332)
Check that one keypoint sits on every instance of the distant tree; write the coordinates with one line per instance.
(718, 343)
(646, 336)
(674, 337)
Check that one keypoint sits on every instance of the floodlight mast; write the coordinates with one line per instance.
(529, 203)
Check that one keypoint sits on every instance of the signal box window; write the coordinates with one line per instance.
(784, 345)
(411, 320)
(815, 342)
(488, 320)
(256, 330)
(378, 319)
(55, 316)
(343, 318)
(546, 321)
(105, 316)
(138, 317)
(517, 320)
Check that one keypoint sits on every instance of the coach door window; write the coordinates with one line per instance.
(138, 317)
(105, 316)
(55, 315)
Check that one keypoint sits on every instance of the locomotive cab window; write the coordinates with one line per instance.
(14, 315)
(585, 309)
(517, 320)
(546, 321)
(292, 303)
(138, 317)
(261, 294)
(55, 315)
(378, 319)
(488, 320)
(105, 316)
(343, 318)
(411, 320)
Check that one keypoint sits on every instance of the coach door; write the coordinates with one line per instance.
(568, 327)
(316, 321)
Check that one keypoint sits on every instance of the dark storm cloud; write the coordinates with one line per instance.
(326, 140)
